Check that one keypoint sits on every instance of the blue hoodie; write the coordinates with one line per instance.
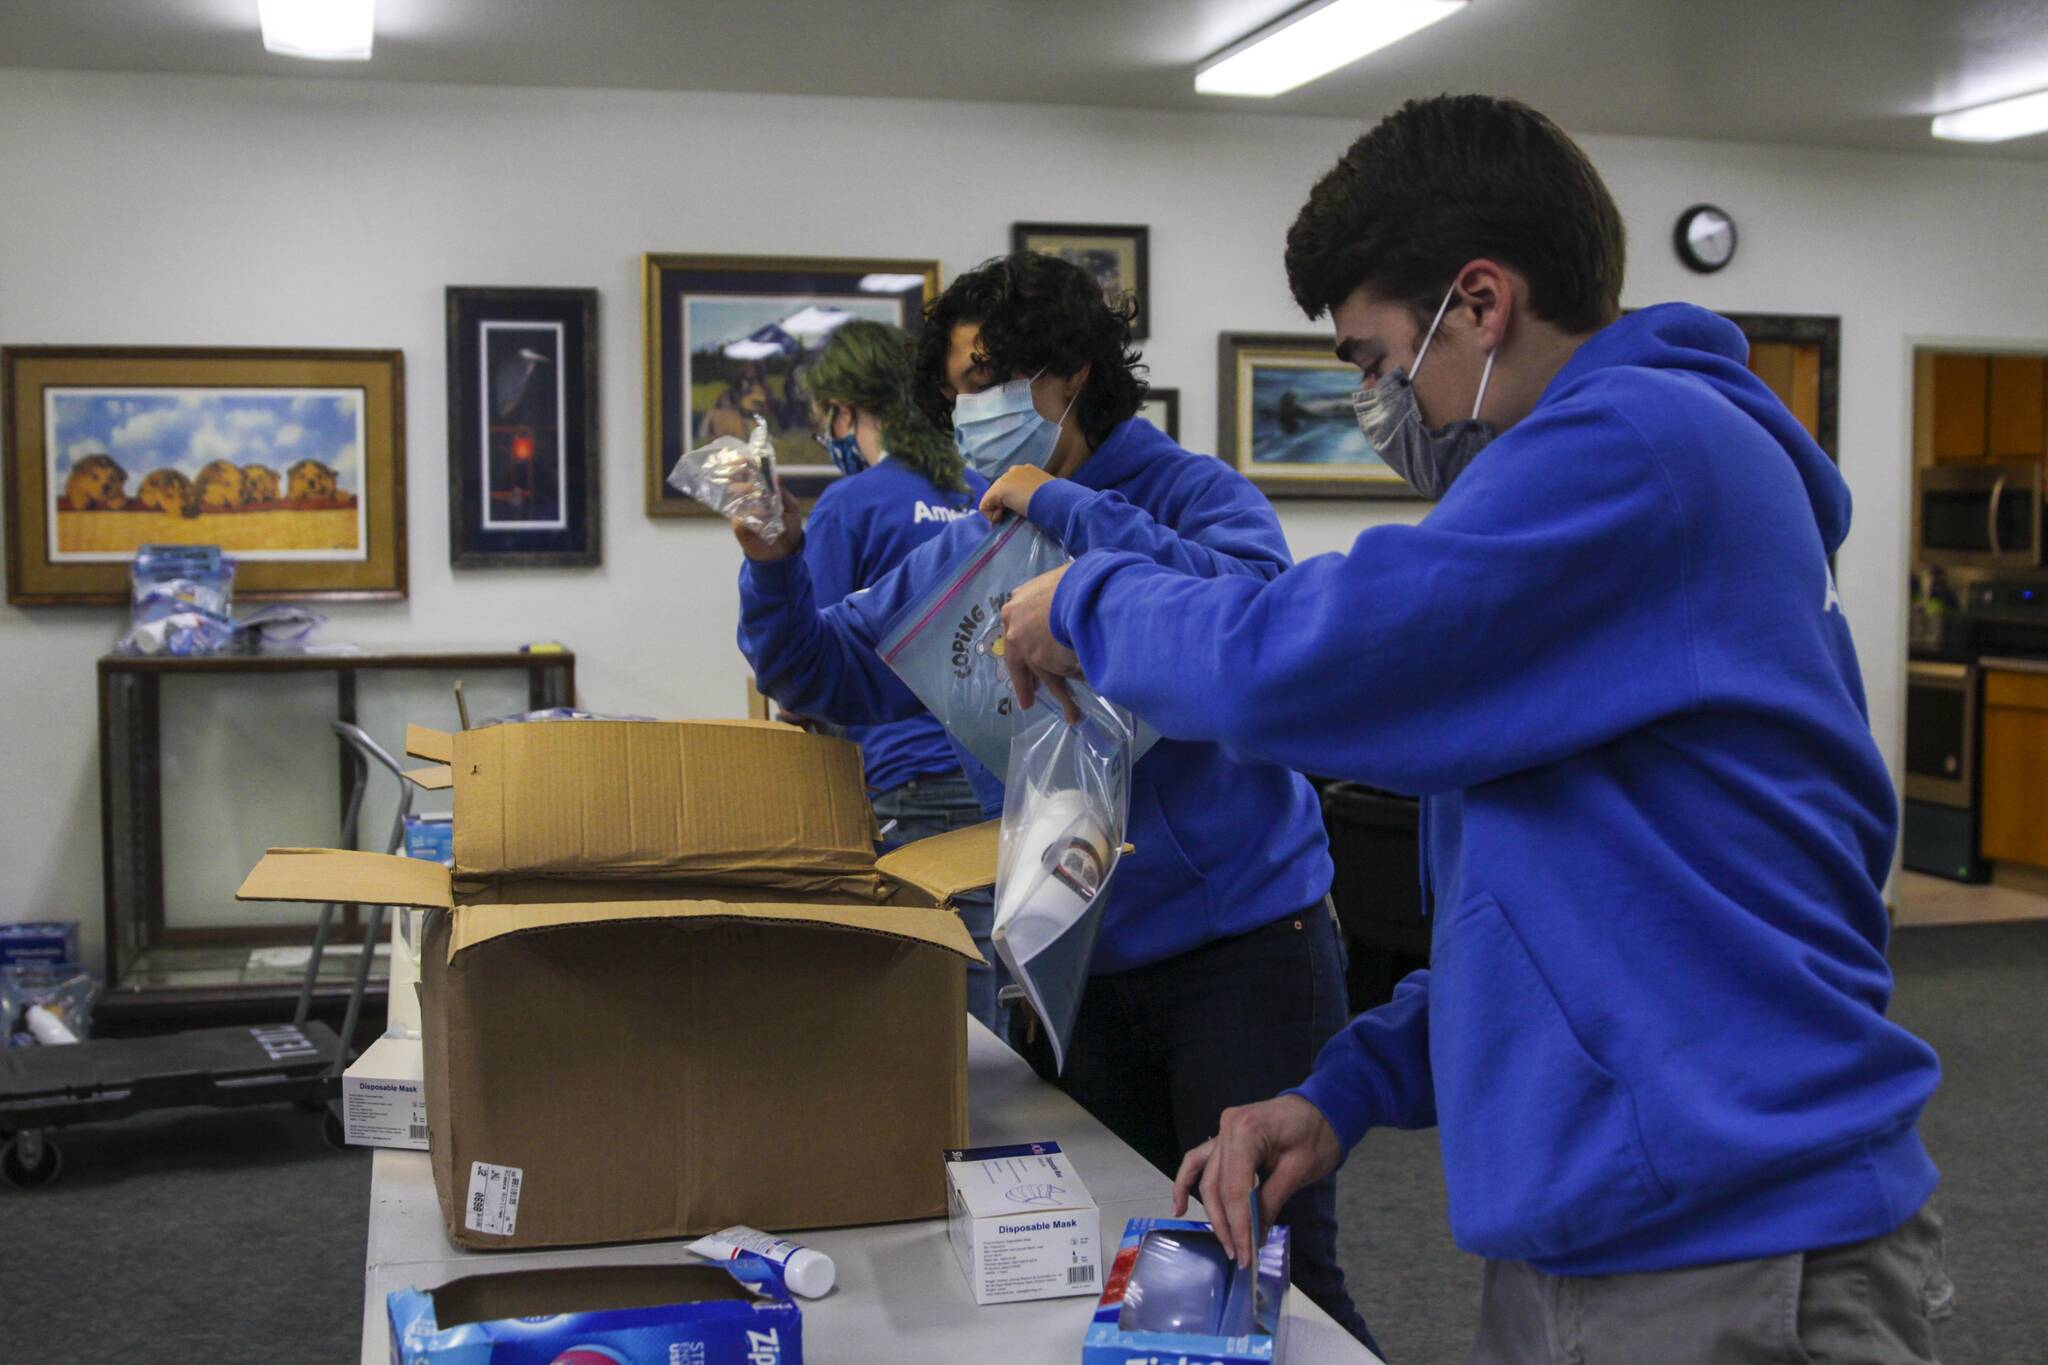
(860, 528)
(1613, 664)
(1223, 845)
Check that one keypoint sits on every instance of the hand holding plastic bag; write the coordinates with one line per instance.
(736, 479)
(1066, 800)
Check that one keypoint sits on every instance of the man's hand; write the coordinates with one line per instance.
(1287, 1138)
(1012, 492)
(764, 551)
(1029, 650)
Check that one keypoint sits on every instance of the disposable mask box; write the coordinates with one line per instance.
(1173, 1296)
(1022, 1223)
(727, 1314)
(667, 987)
(49, 942)
(384, 1097)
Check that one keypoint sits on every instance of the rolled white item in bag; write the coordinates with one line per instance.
(47, 1028)
(1060, 860)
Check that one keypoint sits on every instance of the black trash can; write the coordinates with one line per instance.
(1378, 887)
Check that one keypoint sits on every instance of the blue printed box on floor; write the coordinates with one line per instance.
(51, 941)
(1174, 1298)
(733, 1312)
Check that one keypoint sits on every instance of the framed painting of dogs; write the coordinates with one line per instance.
(292, 461)
(523, 454)
(727, 339)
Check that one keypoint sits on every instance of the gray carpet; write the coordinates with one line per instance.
(209, 1236)
(1978, 993)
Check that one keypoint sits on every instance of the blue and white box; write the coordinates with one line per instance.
(50, 941)
(431, 837)
(1173, 1296)
(1022, 1224)
(731, 1313)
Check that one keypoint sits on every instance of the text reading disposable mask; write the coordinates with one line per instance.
(1429, 459)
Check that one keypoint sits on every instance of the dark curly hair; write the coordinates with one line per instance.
(1036, 312)
(1442, 181)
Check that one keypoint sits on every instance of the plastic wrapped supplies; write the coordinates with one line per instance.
(180, 601)
(1066, 801)
(735, 479)
(947, 646)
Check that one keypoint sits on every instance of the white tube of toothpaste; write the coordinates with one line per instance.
(807, 1272)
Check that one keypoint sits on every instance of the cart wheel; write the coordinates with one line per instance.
(332, 1131)
(30, 1161)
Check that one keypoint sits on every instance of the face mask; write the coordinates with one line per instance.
(1428, 459)
(1000, 428)
(845, 452)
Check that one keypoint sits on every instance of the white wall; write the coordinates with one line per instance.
(182, 210)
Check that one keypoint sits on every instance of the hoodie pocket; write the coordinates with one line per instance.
(1542, 1147)
(1175, 853)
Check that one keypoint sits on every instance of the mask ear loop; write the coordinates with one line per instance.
(1430, 335)
(1484, 375)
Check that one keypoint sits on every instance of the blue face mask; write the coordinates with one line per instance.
(999, 429)
(844, 450)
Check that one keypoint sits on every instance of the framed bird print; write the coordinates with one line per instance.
(523, 449)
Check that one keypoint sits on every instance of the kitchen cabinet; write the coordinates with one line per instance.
(2015, 425)
(2015, 767)
(1962, 407)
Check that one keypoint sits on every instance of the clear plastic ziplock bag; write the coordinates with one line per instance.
(947, 646)
(1066, 800)
(735, 479)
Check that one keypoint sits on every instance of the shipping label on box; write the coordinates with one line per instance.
(1022, 1224)
(384, 1098)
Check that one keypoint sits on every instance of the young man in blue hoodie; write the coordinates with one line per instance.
(1613, 664)
(1218, 973)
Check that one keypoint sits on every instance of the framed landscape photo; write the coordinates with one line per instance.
(1115, 256)
(727, 338)
(523, 451)
(1285, 420)
(1162, 409)
(292, 461)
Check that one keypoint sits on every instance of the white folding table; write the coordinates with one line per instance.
(900, 1295)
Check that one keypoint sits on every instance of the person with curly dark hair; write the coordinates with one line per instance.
(1613, 664)
(1217, 972)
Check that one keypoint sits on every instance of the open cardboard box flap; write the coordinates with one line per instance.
(947, 864)
(657, 800)
(484, 912)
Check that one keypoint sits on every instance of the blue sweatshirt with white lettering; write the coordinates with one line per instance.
(860, 528)
(1224, 845)
(1613, 664)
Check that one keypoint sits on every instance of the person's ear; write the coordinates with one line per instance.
(1077, 381)
(1485, 302)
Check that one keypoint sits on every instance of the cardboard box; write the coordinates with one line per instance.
(384, 1096)
(732, 1313)
(1022, 1224)
(1173, 1271)
(51, 941)
(618, 1059)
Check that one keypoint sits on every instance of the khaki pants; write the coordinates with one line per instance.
(1868, 1303)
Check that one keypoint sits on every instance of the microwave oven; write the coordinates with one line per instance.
(1986, 516)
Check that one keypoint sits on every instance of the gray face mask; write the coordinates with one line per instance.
(1429, 459)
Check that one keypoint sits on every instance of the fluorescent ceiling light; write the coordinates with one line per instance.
(889, 284)
(2019, 116)
(1314, 41)
(325, 30)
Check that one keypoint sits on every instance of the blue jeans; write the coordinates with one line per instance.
(925, 806)
(1160, 1051)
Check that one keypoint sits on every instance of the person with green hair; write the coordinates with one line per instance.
(902, 482)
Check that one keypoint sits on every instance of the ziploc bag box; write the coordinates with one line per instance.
(1172, 1295)
(51, 941)
(1021, 1222)
(726, 1314)
(615, 1058)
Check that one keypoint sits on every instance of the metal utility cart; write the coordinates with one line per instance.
(297, 1062)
